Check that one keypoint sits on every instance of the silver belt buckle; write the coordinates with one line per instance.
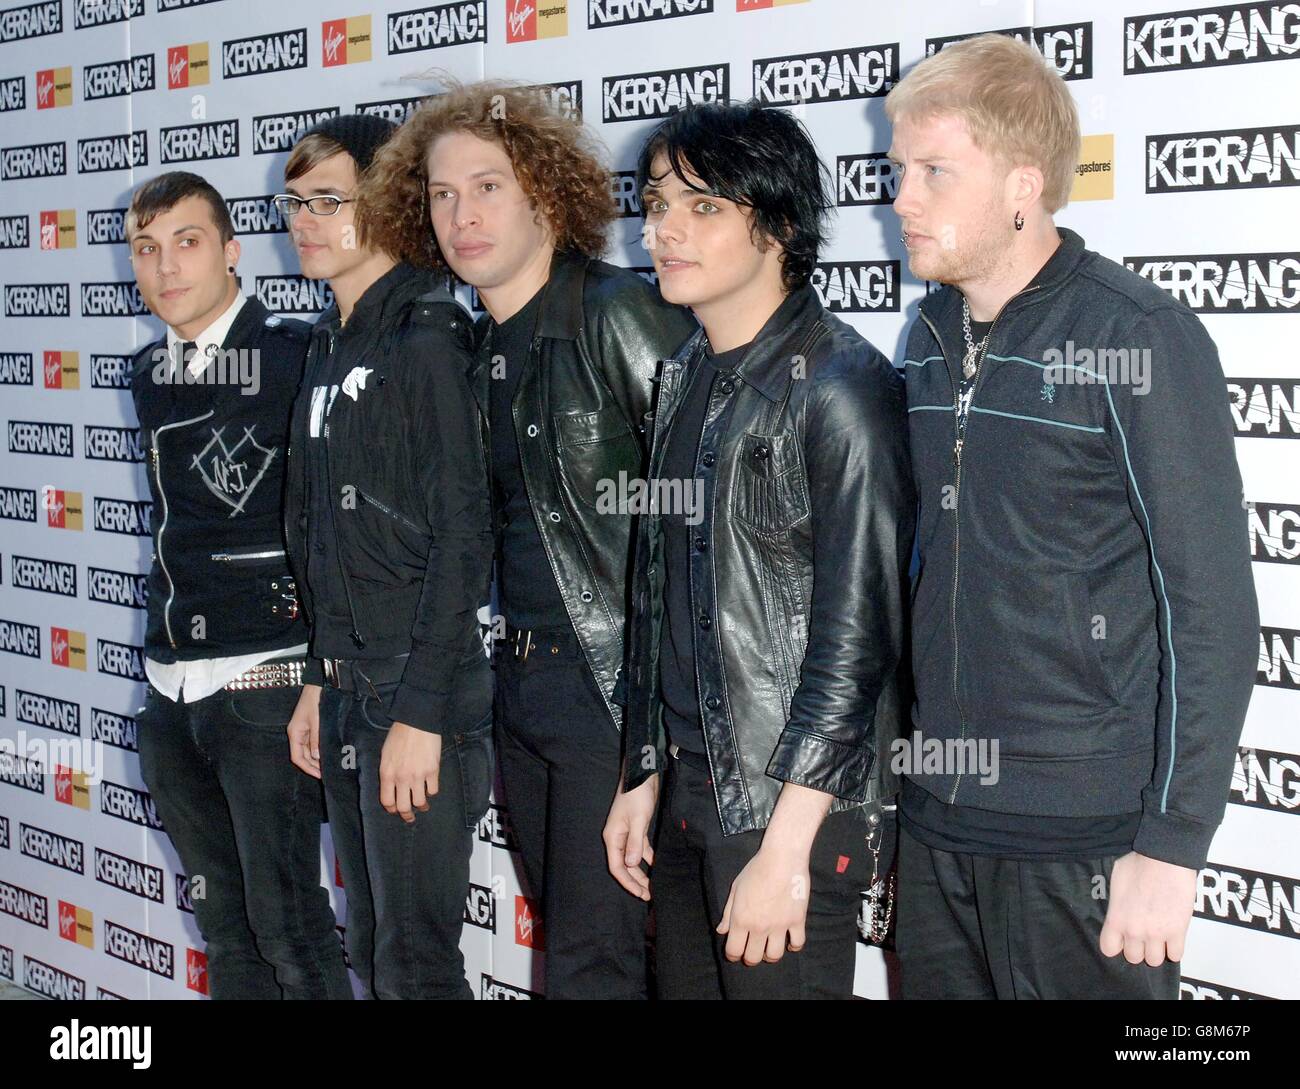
(332, 677)
(675, 750)
(527, 637)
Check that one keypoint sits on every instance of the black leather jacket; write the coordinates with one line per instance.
(801, 591)
(580, 413)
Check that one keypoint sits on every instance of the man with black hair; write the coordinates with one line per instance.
(766, 659)
(224, 644)
(388, 528)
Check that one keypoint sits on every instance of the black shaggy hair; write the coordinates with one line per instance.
(760, 158)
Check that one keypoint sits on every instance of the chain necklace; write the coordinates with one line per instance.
(970, 362)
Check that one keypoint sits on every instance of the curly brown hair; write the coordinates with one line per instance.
(557, 161)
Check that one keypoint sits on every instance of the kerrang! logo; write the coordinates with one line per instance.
(1226, 283)
(120, 659)
(1260, 901)
(602, 13)
(864, 71)
(51, 982)
(641, 96)
(1192, 162)
(31, 21)
(128, 804)
(138, 949)
(1266, 780)
(456, 23)
(137, 878)
(99, 12)
(1209, 37)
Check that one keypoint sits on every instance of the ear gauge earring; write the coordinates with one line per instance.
(1019, 221)
(230, 269)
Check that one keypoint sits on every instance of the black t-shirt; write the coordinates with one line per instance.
(526, 590)
(677, 653)
(966, 830)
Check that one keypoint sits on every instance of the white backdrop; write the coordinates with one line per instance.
(1190, 164)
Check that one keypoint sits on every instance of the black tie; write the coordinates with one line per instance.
(187, 350)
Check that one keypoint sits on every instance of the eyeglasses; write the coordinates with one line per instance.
(288, 205)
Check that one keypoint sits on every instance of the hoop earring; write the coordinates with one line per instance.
(1019, 221)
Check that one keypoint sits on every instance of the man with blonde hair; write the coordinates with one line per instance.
(1084, 619)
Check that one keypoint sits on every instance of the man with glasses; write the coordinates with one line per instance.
(388, 528)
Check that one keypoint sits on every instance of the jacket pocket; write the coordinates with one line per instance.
(1094, 628)
(594, 447)
(770, 492)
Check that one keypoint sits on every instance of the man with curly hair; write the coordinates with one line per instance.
(489, 181)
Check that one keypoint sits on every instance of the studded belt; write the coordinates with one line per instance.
(277, 673)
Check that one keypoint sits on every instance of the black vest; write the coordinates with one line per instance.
(219, 584)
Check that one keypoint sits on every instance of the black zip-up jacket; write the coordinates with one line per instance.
(219, 584)
(579, 416)
(800, 588)
(411, 539)
(1085, 595)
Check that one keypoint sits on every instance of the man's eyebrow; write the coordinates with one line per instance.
(188, 227)
(328, 191)
(477, 174)
(687, 191)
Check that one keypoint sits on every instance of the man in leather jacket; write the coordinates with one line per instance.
(568, 350)
(766, 660)
(388, 527)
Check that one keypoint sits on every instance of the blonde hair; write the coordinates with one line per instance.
(1016, 107)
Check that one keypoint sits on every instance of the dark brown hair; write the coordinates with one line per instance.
(555, 158)
(163, 193)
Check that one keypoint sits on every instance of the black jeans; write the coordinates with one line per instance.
(560, 763)
(694, 867)
(247, 822)
(974, 926)
(406, 884)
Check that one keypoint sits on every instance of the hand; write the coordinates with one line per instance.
(768, 900)
(304, 731)
(408, 770)
(627, 836)
(1149, 911)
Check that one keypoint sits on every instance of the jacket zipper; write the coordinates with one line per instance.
(354, 634)
(236, 557)
(958, 444)
(156, 458)
(390, 512)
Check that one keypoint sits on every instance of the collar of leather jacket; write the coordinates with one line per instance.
(939, 307)
(766, 366)
(560, 314)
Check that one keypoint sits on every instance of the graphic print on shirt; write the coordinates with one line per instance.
(232, 472)
(322, 400)
(356, 380)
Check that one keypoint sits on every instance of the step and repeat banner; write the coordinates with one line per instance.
(1190, 164)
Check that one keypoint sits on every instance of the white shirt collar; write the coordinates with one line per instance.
(211, 337)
